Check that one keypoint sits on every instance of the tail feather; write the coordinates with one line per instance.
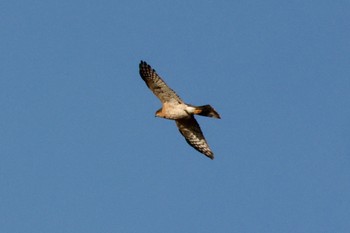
(206, 110)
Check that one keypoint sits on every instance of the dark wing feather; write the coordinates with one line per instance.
(189, 128)
(157, 85)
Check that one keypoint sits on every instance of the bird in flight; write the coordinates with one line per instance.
(173, 108)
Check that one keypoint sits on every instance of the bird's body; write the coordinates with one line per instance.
(175, 111)
(173, 108)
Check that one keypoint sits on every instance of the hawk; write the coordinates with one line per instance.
(173, 108)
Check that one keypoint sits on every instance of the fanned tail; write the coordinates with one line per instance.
(206, 110)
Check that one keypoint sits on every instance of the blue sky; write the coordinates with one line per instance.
(81, 150)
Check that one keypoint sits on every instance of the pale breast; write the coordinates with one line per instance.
(175, 111)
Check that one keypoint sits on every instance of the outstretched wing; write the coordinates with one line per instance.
(189, 128)
(157, 85)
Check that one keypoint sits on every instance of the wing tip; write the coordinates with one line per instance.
(145, 67)
(143, 64)
(145, 70)
(210, 155)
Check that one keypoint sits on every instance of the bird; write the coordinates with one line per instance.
(174, 108)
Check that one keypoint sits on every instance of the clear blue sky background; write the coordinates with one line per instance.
(81, 150)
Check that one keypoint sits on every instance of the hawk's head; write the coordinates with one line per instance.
(159, 113)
